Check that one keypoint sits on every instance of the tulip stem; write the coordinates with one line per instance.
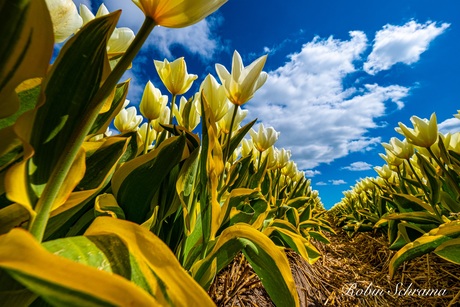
(171, 114)
(58, 176)
(227, 149)
(147, 138)
(443, 167)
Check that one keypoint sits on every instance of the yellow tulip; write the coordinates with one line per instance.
(391, 158)
(243, 82)
(188, 116)
(216, 97)
(264, 138)
(282, 156)
(174, 75)
(424, 134)
(152, 102)
(401, 149)
(120, 39)
(247, 147)
(163, 119)
(178, 13)
(384, 172)
(127, 120)
(457, 115)
(65, 18)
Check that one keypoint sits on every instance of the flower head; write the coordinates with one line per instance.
(188, 115)
(152, 102)
(216, 97)
(264, 138)
(401, 149)
(178, 13)
(127, 120)
(424, 134)
(120, 39)
(242, 82)
(174, 75)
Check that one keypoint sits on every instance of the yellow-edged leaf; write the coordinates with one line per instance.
(63, 282)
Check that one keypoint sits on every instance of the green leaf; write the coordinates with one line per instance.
(104, 119)
(420, 217)
(62, 282)
(425, 244)
(135, 183)
(410, 203)
(267, 260)
(239, 135)
(75, 76)
(449, 251)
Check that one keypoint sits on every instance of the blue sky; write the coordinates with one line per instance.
(342, 74)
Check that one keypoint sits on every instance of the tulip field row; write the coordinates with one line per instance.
(415, 198)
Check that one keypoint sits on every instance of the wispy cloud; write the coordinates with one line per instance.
(311, 173)
(401, 44)
(320, 120)
(358, 166)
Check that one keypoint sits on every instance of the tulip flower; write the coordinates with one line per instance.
(458, 114)
(152, 102)
(216, 97)
(424, 134)
(127, 120)
(242, 82)
(178, 13)
(163, 119)
(264, 138)
(283, 157)
(188, 115)
(270, 154)
(384, 172)
(247, 147)
(401, 149)
(391, 158)
(120, 39)
(174, 75)
(65, 18)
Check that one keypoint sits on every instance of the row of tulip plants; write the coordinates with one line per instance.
(101, 206)
(415, 199)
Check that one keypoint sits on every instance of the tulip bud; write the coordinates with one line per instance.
(152, 102)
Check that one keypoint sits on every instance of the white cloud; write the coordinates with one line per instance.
(451, 125)
(199, 39)
(338, 182)
(319, 119)
(321, 183)
(401, 44)
(311, 173)
(358, 166)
